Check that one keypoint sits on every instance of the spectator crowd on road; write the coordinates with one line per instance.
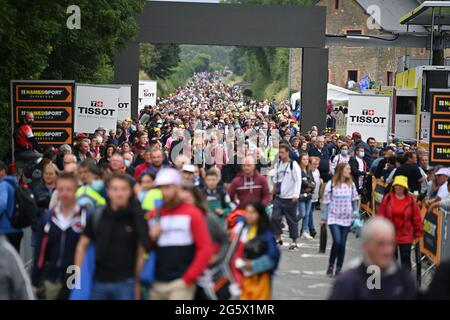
(195, 198)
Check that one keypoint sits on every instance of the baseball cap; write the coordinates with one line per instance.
(82, 136)
(443, 171)
(356, 135)
(189, 168)
(168, 176)
(128, 119)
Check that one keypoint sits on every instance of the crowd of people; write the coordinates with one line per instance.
(198, 190)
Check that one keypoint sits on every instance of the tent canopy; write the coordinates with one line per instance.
(334, 93)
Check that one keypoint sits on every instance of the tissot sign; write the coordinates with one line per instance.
(369, 115)
(95, 106)
(147, 93)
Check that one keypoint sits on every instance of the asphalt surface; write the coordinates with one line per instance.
(301, 274)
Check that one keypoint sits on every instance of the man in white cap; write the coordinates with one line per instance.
(441, 177)
(188, 172)
(183, 244)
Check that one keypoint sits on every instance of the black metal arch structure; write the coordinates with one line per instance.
(241, 25)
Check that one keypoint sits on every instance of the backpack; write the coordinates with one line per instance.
(25, 208)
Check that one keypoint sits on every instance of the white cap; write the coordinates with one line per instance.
(168, 176)
(189, 168)
(443, 171)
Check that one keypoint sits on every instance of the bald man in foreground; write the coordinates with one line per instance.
(378, 277)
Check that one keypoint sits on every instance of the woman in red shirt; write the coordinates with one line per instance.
(400, 207)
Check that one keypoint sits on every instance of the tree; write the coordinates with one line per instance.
(159, 61)
(35, 43)
(264, 67)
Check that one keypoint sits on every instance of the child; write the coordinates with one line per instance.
(313, 166)
(257, 255)
(219, 201)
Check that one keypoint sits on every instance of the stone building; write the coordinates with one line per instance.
(349, 17)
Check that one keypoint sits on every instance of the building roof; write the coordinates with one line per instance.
(391, 11)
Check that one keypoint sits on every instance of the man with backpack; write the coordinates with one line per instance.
(120, 233)
(286, 192)
(13, 213)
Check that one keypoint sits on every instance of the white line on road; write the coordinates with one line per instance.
(319, 285)
(306, 255)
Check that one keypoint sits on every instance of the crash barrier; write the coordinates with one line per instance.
(378, 188)
(435, 244)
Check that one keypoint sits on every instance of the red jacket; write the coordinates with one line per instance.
(254, 188)
(412, 221)
(140, 169)
(184, 247)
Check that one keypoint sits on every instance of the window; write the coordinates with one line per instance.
(354, 32)
(390, 78)
(337, 5)
(352, 75)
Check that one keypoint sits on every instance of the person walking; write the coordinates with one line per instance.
(400, 207)
(7, 207)
(342, 157)
(120, 233)
(340, 205)
(287, 187)
(358, 168)
(183, 246)
(56, 239)
(249, 185)
(313, 167)
(257, 255)
(378, 247)
(305, 199)
(219, 238)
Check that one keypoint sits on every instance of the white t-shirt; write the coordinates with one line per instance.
(443, 191)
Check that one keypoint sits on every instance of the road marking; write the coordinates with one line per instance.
(311, 273)
(306, 255)
(319, 285)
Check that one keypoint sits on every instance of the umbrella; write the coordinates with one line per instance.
(323, 238)
(418, 263)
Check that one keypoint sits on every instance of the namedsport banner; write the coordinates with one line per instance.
(51, 102)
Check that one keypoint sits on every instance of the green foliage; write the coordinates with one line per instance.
(159, 61)
(35, 43)
(195, 58)
(266, 68)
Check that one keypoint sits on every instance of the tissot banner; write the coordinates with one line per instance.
(369, 115)
(95, 106)
(147, 93)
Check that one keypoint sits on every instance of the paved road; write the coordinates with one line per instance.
(301, 274)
